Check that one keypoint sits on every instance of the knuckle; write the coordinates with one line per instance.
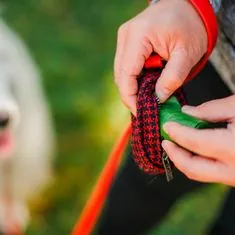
(144, 25)
(141, 25)
(122, 29)
(145, 42)
(135, 68)
(171, 85)
(168, 88)
(187, 55)
(182, 51)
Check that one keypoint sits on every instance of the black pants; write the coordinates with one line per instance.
(137, 202)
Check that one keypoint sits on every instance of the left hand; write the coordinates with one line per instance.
(207, 155)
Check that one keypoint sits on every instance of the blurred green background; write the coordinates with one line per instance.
(73, 42)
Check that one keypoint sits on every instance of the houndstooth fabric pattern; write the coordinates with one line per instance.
(146, 139)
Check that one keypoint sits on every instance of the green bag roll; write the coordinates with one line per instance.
(170, 111)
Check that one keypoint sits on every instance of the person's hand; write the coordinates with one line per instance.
(171, 28)
(211, 155)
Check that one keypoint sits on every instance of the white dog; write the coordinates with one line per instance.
(26, 136)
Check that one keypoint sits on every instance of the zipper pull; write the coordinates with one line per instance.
(165, 158)
(167, 166)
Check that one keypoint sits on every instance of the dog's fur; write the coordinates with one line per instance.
(25, 164)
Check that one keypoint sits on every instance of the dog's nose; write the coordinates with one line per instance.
(4, 119)
(9, 113)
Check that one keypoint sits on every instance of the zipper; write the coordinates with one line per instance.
(167, 166)
(165, 158)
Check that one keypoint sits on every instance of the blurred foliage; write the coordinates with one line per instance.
(193, 214)
(73, 41)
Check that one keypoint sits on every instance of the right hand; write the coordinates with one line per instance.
(171, 28)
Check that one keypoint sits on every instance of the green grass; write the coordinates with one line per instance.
(73, 41)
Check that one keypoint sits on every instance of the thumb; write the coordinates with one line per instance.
(219, 110)
(174, 74)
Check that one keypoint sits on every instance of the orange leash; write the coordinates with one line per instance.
(92, 210)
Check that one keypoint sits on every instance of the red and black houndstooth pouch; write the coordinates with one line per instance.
(146, 139)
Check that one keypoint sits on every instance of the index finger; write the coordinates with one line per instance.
(136, 50)
(208, 142)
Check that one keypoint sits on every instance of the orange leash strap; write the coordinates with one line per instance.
(92, 210)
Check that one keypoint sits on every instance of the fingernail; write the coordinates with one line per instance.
(187, 109)
(162, 95)
(167, 127)
(164, 143)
